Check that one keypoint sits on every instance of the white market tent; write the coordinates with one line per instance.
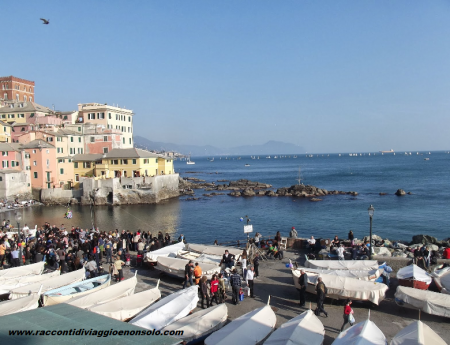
(304, 329)
(362, 333)
(417, 333)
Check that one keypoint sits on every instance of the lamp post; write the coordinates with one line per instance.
(371, 211)
(18, 219)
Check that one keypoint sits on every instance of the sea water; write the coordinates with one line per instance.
(425, 211)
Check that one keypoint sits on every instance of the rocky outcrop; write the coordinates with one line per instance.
(400, 192)
(424, 239)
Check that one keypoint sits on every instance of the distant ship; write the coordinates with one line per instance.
(390, 151)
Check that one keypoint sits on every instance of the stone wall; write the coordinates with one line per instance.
(58, 196)
(15, 185)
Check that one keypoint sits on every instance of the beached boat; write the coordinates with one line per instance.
(197, 257)
(212, 250)
(250, 328)
(413, 276)
(345, 287)
(75, 290)
(21, 304)
(168, 251)
(125, 308)
(441, 277)
(111, 293)
(21, 271)
(49, 284)
(168, 310)
(304, 329)
(8, 285)
(417, 333)
(199, 325)
(365, 332)
(175, 267)
(361, 275)
(354, 265)
(430, 302)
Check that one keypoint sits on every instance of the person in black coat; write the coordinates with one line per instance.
(321, 291)
(303, 282)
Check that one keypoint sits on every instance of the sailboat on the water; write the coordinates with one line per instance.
(189, 160)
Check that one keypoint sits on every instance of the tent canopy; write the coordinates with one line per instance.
(414, 272)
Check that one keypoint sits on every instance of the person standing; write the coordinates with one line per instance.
(243, 260)
(15, 257)
(347, 311)
(62, 259)
(108, 249)
(222, 290)
(197, 273)
(293, 233)
(2, 253)
(340, 252)
(227, 259)
(215, 290)
(188, 274)
(118, 269)
(205, 292)
(351, 238)
(235, 281)
(303, 281)
(321, 291)
(249, 279)
(256, 265)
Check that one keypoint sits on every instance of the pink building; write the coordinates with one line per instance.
(11, 156)
(43, 164)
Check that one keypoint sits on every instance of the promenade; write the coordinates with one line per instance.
(276, 280)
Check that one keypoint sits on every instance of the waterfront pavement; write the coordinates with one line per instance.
(276, 280)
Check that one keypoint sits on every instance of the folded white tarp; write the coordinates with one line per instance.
(168, 310)
(111, 293)
(127, 307)
(442, 279)
(361, 275)
(10, 284)
(414, 272)
(22, 271)
(344, 287)
(304, 329)
(174, 266)
(213, 250)
(429, 302)
(363, 333)
(250, 328)
(170, 251)
(417, 333)
(354, 265)
(49, 284)
(21, 304)
(200, 324)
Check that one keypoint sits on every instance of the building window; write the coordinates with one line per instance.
(13, 164)
(75, 164)
(25, 98)
(123, 140)
(79, 139)
(48, 151)
(105, 138)
(35, 174)
(60, 160)
(91, 116)
(48, 162)
(117, 117)
(87, 165)
(80, 151)
(35, 163)
(4, 153)
(71, 139)
(105, 150)
(109, 116)
(77, 177)
(100, 116)
(61, 171)
(134, 161)
(129, 140)
(34, 151)
(125, 161)
(129, 118)
(58, 139)
(79, 129)
(5, 164)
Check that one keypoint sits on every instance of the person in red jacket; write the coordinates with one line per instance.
(347, 311)
(446, 253)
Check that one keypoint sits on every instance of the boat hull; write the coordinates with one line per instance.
(412, 283)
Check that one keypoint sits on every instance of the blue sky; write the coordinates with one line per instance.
(331, 76)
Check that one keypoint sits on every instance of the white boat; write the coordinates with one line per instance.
(199, 325)
(354, 265)
(168, 251)
(304, 329)
(168, 310)
(189, 160)
(247, 165)
(175, 267)
(21, 271)
(417, 333)
(21, 304)
(49, 284)
(361, 275)
(250, 328)
(344, 287)
(78, 289)
(212, 250)
(430, 302)
(414, 276)
(441, 277)
(111, 293)
(197, 257)
(10, 284)
(125, 308)
(362, 333)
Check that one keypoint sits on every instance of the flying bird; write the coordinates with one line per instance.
(45, 21)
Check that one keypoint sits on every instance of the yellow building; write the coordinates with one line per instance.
(84, 166)
(5, 132)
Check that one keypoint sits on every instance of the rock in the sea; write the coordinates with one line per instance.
(400, 192)
(424, 239)
(248, 192)
(374, 238)
(382, 193)
(315, 199)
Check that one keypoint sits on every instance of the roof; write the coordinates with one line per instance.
(64, 131)
(22, 107)
(9, 147)
(88, 157)
(131, 153)
(38, 143)
(11, 171)
(62, 317)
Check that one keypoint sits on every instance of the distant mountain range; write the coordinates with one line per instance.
(269, 148)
